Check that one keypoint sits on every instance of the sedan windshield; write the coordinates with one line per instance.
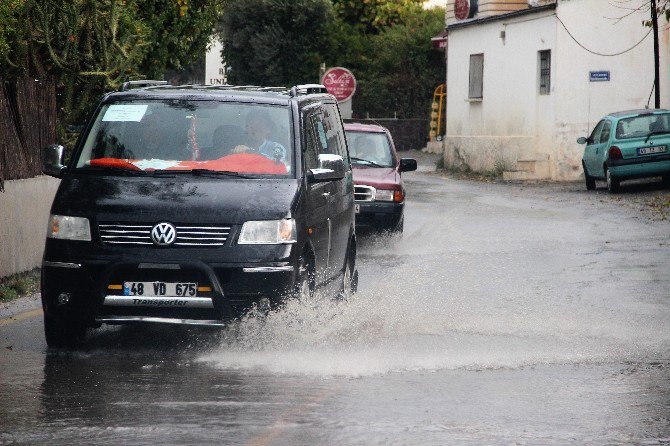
(641, 126)
(196, 136)
(372, 149)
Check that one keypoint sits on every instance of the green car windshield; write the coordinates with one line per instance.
(190, 135)
(641, 126)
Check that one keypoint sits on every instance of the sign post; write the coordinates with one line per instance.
(341, 83)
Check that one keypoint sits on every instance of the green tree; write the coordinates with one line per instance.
(275, 42)
(374, 15)
(86, 46)
(9, 29)
(92, 46)
(179, 31)
(397, 69)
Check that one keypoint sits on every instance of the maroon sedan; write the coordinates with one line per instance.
(379, 190)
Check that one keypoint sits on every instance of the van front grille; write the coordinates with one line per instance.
(364, 193)
(139, 234)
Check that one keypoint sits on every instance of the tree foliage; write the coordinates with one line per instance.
(179, 32)
(275, 42)
(372, 16)
(386, 43)
(397, 69)
(92, 46)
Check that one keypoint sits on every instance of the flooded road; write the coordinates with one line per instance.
(505, 315)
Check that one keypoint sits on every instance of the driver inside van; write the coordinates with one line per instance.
(259, 128)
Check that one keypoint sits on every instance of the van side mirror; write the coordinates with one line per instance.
(407, 165)
(331, 168)
(52, 161)
(582, 140)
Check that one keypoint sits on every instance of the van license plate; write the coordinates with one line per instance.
(651, 150)
(180, 289)
(357, 208)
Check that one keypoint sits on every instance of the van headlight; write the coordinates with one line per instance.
(69, 228)
(384, 195)
(272, 232)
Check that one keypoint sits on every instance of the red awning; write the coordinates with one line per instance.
(440, 41)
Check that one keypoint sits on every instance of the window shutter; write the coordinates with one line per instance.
(476, 76)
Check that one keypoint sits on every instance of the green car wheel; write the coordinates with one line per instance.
(613, 184)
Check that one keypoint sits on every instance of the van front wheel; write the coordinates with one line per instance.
(349, 284)
(63, 333)
(304, 285)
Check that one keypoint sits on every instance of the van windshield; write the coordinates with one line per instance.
(190, 135)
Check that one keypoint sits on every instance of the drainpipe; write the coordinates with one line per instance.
(657, 75)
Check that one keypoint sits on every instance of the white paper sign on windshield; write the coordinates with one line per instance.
(125, 113)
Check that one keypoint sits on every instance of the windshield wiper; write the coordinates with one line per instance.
(659, 132)
(199, 172)
(367, 162)
(119, 170)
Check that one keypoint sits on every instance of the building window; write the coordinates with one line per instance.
(545, 71)
(476, 76)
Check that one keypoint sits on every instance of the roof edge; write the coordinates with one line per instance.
(495, 18)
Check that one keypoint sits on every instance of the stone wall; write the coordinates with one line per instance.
(24, 211)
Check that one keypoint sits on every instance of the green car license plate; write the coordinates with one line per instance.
(652, 150)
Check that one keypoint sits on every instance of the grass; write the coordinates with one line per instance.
(464, 171)
(19, 285)
(661, 206)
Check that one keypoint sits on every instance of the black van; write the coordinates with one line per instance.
(188, 204)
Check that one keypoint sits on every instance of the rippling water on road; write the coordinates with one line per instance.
(502, 316)
(498, 283)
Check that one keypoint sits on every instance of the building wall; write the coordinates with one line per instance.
(24, 214)
(582, 103)
(514, 122)
(505, 125)
(215, 69)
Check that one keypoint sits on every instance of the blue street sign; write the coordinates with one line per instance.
(599, 76)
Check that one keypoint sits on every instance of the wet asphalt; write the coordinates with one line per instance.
(507, 314)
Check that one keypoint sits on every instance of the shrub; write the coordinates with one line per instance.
(7, 293)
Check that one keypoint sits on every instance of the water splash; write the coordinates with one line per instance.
(422, 309)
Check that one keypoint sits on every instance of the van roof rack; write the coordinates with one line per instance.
(142, 83)
(308, 89)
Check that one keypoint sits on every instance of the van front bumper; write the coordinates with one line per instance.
(92, 290)
(378, 215)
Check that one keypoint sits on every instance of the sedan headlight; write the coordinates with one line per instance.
(273, 232)
(384, 195)
(69, 228)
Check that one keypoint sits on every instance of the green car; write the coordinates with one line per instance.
(627, 145)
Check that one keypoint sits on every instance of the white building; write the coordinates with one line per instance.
(524, 82)
(215, 68)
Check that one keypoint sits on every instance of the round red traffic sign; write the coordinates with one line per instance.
(339, 82)
(465, 9)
